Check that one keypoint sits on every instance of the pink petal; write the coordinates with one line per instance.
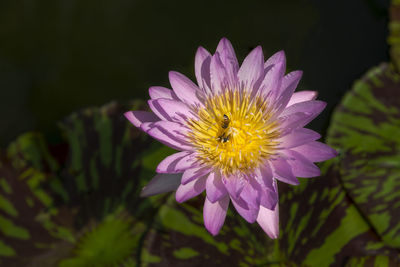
(269, 199)
(278, 57)
(227, 53)
(169, 133)
(218, 75)
(157, 92)
(298, 137)
(214, 214)
(172, 110)
(187, 163)
(289, 84)
(251, 195)
(264, 177)
(168, 165)
(290, 122)
(252, 68)
(137, 117)
(291, 79)
(301, 166)
(302, 96)
(269, 221)
(158, 110)
(146, 126)
(273, 80)
(229, 60)
(283, 171)
(310, 108)
(184, 88)
(234, 184)
(316, 151)
(176, 129)
(191, 189)
(247, 212)
(194, 173)
(161, 183)
(214, 187)
(202, 67)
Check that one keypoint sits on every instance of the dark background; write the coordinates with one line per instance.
(60, 56)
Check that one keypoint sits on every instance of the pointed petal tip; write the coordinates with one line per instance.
(273, 235)
(172, 74)
(203, 51)
(280, 55)
(132, 119)
(214, 214)
(156, 92)
(161, 183)
(297, 73)
(293, 77)
(335, 152)
(224, 42)
(300, 73)
(269, 221)
(258, 50)
(321, 103)
(302, 96)
(128, 114)
(213, 232)
(281, 52)
(180, 197)
(147, 191)
(175, 77)
(139, 117)
(224, 39)
(144, 192)
(313, 94)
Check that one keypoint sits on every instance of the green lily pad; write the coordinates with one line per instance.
(379, 260)
(110, 242)
(366, 128)
(352, 210)
(394, 37)
(178, 238)
(109, 161)
(321, 226)
(65, 191)
(30, 226)
(104, 161)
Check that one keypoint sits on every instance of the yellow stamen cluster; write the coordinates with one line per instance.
(234, 132)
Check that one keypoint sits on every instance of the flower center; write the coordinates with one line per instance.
(234, 132)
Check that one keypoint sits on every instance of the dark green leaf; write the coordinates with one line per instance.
(366, 127)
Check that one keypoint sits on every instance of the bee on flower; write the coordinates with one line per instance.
(239, 130)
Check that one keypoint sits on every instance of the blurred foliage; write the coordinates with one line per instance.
(394, 37)
(77, 199)
(108, 244)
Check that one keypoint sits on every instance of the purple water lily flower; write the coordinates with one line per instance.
(239, 130)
